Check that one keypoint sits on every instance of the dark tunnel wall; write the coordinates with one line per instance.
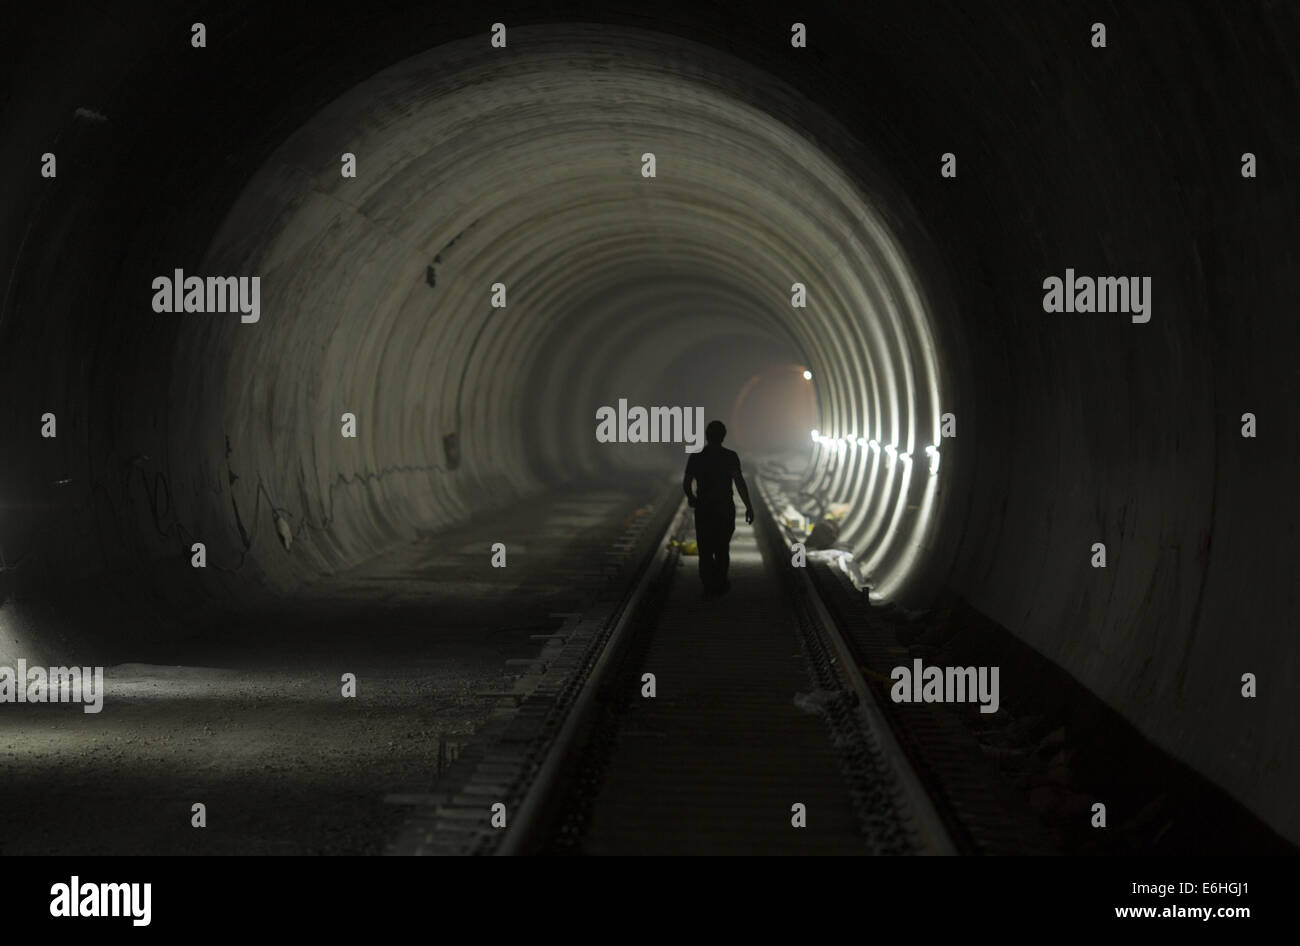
(1072, 428)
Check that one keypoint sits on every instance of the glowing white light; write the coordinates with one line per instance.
(816, 435)
(862, 441)
(933, 453)
(807, 375)
(875, 444)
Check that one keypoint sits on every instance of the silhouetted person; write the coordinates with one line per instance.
(714, 469)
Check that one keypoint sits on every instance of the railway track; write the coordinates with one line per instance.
(659, 722)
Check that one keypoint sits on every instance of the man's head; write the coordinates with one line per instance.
(716, 432)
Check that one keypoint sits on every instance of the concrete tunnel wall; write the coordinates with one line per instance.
(1072, 429)
(528, 174)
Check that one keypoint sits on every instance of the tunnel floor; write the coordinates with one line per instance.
(714, 762)
(252, 723)
(756, 710)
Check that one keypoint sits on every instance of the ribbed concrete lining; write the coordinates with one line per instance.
(527, 171)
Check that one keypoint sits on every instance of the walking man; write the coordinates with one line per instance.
(714, 469)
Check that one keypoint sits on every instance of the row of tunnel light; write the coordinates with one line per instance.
(890, 449)
(885, 570)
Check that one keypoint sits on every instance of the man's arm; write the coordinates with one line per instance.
(686, 487)
(743, 490)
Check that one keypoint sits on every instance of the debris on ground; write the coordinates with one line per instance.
(823, 535)
(845, 562)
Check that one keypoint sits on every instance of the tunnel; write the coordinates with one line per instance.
(608, 279)
(672, 210)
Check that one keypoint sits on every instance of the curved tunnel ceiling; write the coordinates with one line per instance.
(527, 171)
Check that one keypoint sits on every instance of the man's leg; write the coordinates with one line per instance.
(706, 559)
(704, 545)
(710, 536)
(723, 549)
